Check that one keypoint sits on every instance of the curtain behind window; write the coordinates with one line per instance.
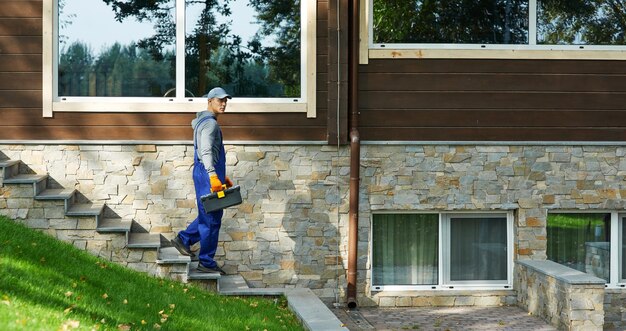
(405, 249)
(478, 249)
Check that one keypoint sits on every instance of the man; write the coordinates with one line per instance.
(209, 172)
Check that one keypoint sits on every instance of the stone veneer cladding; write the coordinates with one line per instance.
(285, 233)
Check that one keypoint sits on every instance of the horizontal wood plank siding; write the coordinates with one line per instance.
(21, 97)
(493, 100)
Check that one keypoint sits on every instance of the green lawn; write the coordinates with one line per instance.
(46, 284)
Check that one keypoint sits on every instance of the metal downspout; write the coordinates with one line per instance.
(355, 152)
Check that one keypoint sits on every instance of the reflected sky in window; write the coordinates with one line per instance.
(93, 22)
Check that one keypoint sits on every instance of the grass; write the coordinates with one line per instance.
(47, 284)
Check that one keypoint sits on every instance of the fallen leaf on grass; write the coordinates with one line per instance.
(104, 296)
(69, 293)
(123, 327)
(68, 309)
(70, 325)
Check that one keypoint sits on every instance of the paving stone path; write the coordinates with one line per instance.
(441, 319)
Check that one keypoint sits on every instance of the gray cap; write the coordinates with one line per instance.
(217, 92)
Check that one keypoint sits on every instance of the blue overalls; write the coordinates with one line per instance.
(206, 227)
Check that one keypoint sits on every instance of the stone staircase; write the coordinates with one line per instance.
(68, 205)
(65, 205)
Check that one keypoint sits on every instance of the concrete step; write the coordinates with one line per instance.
(8, 168)
(56, 194)
(144, 240)
(170, 255)
(8, 163)
(113, 225)
(39, 182)
(85, 209)
(194, 274)
(230, 284)
(25, 179)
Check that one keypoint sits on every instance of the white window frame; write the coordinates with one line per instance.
(443, 283)
(369, 50)
(179, 104)
(615, 244)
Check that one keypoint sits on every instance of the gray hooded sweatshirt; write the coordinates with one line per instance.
(208, 140)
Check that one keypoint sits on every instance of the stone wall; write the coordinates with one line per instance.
(291, 229)
(492, 298)
(614, 309)
(567, 299)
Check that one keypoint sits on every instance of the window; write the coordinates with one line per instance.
(495, 28)
(591, 242)
(106, 55)
(438, 251)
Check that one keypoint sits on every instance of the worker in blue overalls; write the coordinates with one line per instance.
(209, 175)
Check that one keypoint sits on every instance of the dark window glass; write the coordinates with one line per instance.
(478, 249)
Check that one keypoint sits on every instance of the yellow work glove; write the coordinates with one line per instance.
(229, 183)
(216, 184)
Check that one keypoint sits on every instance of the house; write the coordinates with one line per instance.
(389, 154)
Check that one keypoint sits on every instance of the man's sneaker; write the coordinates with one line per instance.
(214, 270)
(180, 246)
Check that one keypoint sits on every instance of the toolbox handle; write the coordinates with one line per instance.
(221, 194)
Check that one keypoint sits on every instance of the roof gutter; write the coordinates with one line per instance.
(355, 151)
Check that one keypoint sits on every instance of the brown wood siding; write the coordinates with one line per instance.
(507, 100)
(21, 97)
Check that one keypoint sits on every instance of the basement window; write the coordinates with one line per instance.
(442, 251)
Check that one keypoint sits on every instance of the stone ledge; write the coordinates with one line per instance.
(562, 273)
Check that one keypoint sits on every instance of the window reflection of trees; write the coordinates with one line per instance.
(213, 54)
(473, 22)
(573, 22)
(581, 22)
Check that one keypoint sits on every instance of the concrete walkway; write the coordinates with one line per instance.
(315, 315)
(441, 319)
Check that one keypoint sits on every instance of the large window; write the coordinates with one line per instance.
(589, 242)
(164, 55)
(435, 251)
(512, 25)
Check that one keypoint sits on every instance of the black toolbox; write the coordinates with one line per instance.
(222, 199)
